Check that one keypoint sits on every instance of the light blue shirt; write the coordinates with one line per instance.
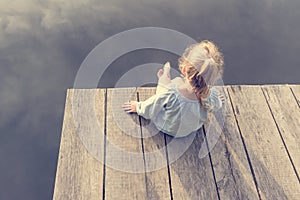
(176, 115)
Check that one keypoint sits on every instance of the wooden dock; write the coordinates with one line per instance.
(257, 156)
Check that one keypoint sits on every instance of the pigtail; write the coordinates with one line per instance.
(200, 87)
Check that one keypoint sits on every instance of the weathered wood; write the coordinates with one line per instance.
(233, 175)
(124, 156)
(296, 93)
(271, 166)
(79, 175)
(258, 149)
(191, 177)
(286, 114)
(155, 154)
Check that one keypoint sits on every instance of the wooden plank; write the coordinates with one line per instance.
(191, 177)
(79, 175)
(286, 114)
(232, 171)
(296, 93)
(124, 156)
(158, 186)
(271, 166)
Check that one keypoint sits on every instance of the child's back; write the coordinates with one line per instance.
(175, 114)
(180, 106)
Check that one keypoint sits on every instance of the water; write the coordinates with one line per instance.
(42, 45)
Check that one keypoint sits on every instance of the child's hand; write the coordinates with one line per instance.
(222, 98)
(130, 107)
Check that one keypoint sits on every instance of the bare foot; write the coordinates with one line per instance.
(165, 71)
(167, 68)
(160, 73)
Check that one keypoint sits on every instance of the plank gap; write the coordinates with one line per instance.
(295, 97)
(230, 165)
(244, 145)
(280, 134)
(168, 167)
(154, 141)
(211, 164)
(104, 148)
(143, 147)
(125, 173)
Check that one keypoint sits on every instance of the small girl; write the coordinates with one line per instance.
(180, 106)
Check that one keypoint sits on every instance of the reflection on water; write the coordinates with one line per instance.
(43, 49)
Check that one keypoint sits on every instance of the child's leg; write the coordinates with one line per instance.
(163, 78)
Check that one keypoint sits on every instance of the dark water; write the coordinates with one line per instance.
(42, 45)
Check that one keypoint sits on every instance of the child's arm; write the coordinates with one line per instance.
(214, 100)
(150, 107)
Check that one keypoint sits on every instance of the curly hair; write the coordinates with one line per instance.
(204, 63)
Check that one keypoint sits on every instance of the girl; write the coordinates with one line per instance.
(180, 106)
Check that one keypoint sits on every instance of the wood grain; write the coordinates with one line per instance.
(271, 166)
(233, 175)
(256, 156)
(191, 177)
(80, 175)
(124, 155)
(158, 186)
(296, 92)
(286, 114)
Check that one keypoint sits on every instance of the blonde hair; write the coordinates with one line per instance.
(203, 62)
